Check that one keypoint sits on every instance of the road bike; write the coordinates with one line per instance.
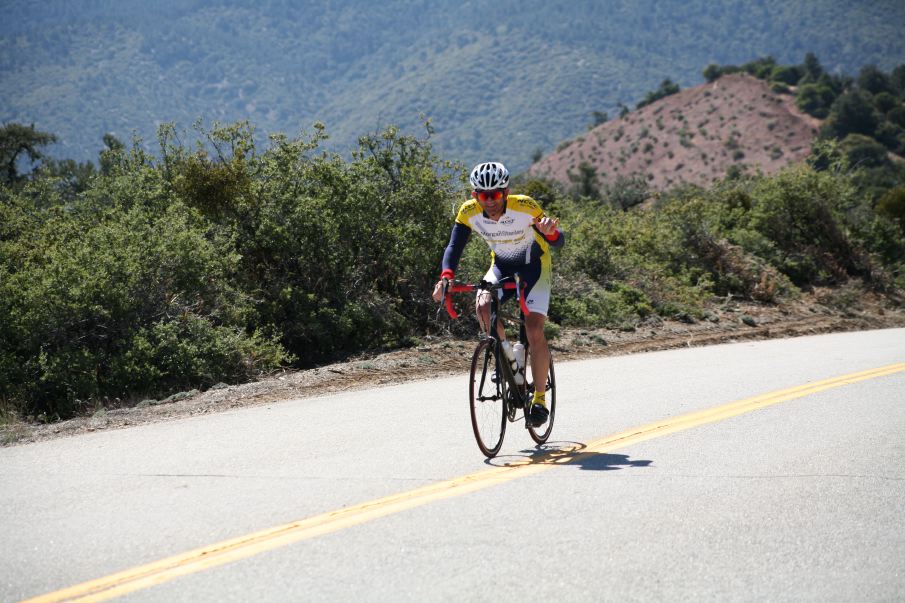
(498, 394)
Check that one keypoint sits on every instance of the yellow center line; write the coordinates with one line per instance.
(227, 551)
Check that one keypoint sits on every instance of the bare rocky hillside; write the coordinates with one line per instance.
(693, 136)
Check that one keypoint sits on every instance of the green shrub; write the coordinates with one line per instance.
(585, 304)
(667, 88)
(873, 80)
(626, 192)
(800, 215)
(786, 74)
(851, 113)
(215, 264)
(551, 330)
(891, 136)
(619, 252)
(863, 151)
(892, 205)
(93, 278)
(779, 88)
(752, 237)
(712, 72)
(172, 355)
(897, 116)
(815, 99)
(885, 102)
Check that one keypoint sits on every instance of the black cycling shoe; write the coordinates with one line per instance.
(538, 415)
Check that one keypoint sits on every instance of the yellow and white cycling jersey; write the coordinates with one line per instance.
(516, 246)
(512, 239)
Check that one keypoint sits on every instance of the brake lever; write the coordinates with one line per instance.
(444, 299)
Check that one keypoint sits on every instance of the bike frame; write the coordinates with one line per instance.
(507, 283)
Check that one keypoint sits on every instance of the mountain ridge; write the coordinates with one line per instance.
(500, 79)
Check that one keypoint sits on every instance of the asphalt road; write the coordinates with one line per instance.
(803, 499)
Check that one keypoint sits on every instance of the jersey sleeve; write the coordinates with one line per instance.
(465, 212)
(558, 240)
(453, 253)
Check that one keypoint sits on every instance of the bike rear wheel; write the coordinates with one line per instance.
(487, 399)
(540, 434)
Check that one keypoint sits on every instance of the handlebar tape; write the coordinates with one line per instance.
(449, 307)
(465, 288)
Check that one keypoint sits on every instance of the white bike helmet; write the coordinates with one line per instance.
(488, 176)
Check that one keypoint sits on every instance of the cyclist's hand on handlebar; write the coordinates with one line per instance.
(438, 290)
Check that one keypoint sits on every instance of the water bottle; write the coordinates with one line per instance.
(518, 350)
(509, 352)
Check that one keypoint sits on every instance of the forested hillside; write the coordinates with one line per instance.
(497, 77)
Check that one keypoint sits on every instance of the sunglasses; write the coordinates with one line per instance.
(494, 195)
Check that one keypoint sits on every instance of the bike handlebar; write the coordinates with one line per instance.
(450, 288)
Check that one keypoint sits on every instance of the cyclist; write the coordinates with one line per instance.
(520, 236)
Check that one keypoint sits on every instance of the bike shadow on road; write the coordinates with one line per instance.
(567, 453)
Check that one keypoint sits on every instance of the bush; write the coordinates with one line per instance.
(873, 80)
(873, 183)
(628, 264)
(584, 183)
(862, 151)
(732, 270)
(215, 264)
(779, 88)
(897, 116)
(85, 285)
(585, 304)
(851, 113)
(897, 81)
(815, 99)
(891, 136)
(712, 72)
(798, 218)
(787, 74)
(667, 88)
(761, 68)
(626, 192)
(759, 238)
(892, 205)
(885, 102)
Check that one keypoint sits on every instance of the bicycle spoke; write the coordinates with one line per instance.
(542, 433)
(487, 400)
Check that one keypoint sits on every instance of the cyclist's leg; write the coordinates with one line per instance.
(540, 351)
(482, 303)
(538, 302)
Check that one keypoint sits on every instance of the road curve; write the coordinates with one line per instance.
(796, 493)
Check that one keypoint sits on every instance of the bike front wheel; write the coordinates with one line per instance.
(487, 399)
(540, 434)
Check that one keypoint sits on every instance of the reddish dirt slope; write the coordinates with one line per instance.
(693, 136)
